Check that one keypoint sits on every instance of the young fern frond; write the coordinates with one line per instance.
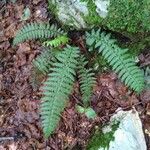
(57, 88)
(118, 58)
(58, 41)
(86, 79)
(36, 31)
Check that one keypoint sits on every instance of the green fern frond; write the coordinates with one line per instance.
(41, 66)
(44, 61)
(36, 31)
(118, 58)
(58, 41)
(87, 80)
(57, 88)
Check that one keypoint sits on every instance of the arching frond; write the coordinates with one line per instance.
(36, 31)
(118, 58)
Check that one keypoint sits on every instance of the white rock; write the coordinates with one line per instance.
(102, 7)
(72, 12)
(129, 135)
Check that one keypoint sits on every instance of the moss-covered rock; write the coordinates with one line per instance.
(101, 139)
(124, 132)
(132, 16)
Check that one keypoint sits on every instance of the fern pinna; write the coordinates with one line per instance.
(121, 62)
(57, 88)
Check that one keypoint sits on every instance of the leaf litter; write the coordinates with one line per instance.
(20, 124)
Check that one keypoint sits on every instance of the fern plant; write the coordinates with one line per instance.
(61, 65)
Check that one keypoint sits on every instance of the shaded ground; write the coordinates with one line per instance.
(20, 126)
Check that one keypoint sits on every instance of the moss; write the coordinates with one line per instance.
(127, 15)
(53, 8)
(101, 139)
(146, 14)
(99, 63)
(93, 17)
(136, 47)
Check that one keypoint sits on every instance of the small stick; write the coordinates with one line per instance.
(6, 138)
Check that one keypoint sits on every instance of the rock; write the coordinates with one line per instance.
(124, 132)
(117, 15)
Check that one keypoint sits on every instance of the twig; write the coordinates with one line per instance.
(6, 138)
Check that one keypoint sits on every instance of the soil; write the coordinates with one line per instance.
(20, 124)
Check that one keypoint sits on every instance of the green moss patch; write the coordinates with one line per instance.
(93, 17)
(101, 139)
(127, 15)
(53, 8)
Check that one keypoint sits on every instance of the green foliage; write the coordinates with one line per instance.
(42, 65)
(36, 31)
(89, 112)
(121, 62)
(44, 61)
(102, 140)
(26, 14)
(87, 80)
(58, 41)
(57, 88)
(146, 14)
(61, 66)
(147, 77)
(128, 15)
(93, 17)
(53, 8)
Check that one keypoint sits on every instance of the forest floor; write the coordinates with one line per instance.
(20, 124)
